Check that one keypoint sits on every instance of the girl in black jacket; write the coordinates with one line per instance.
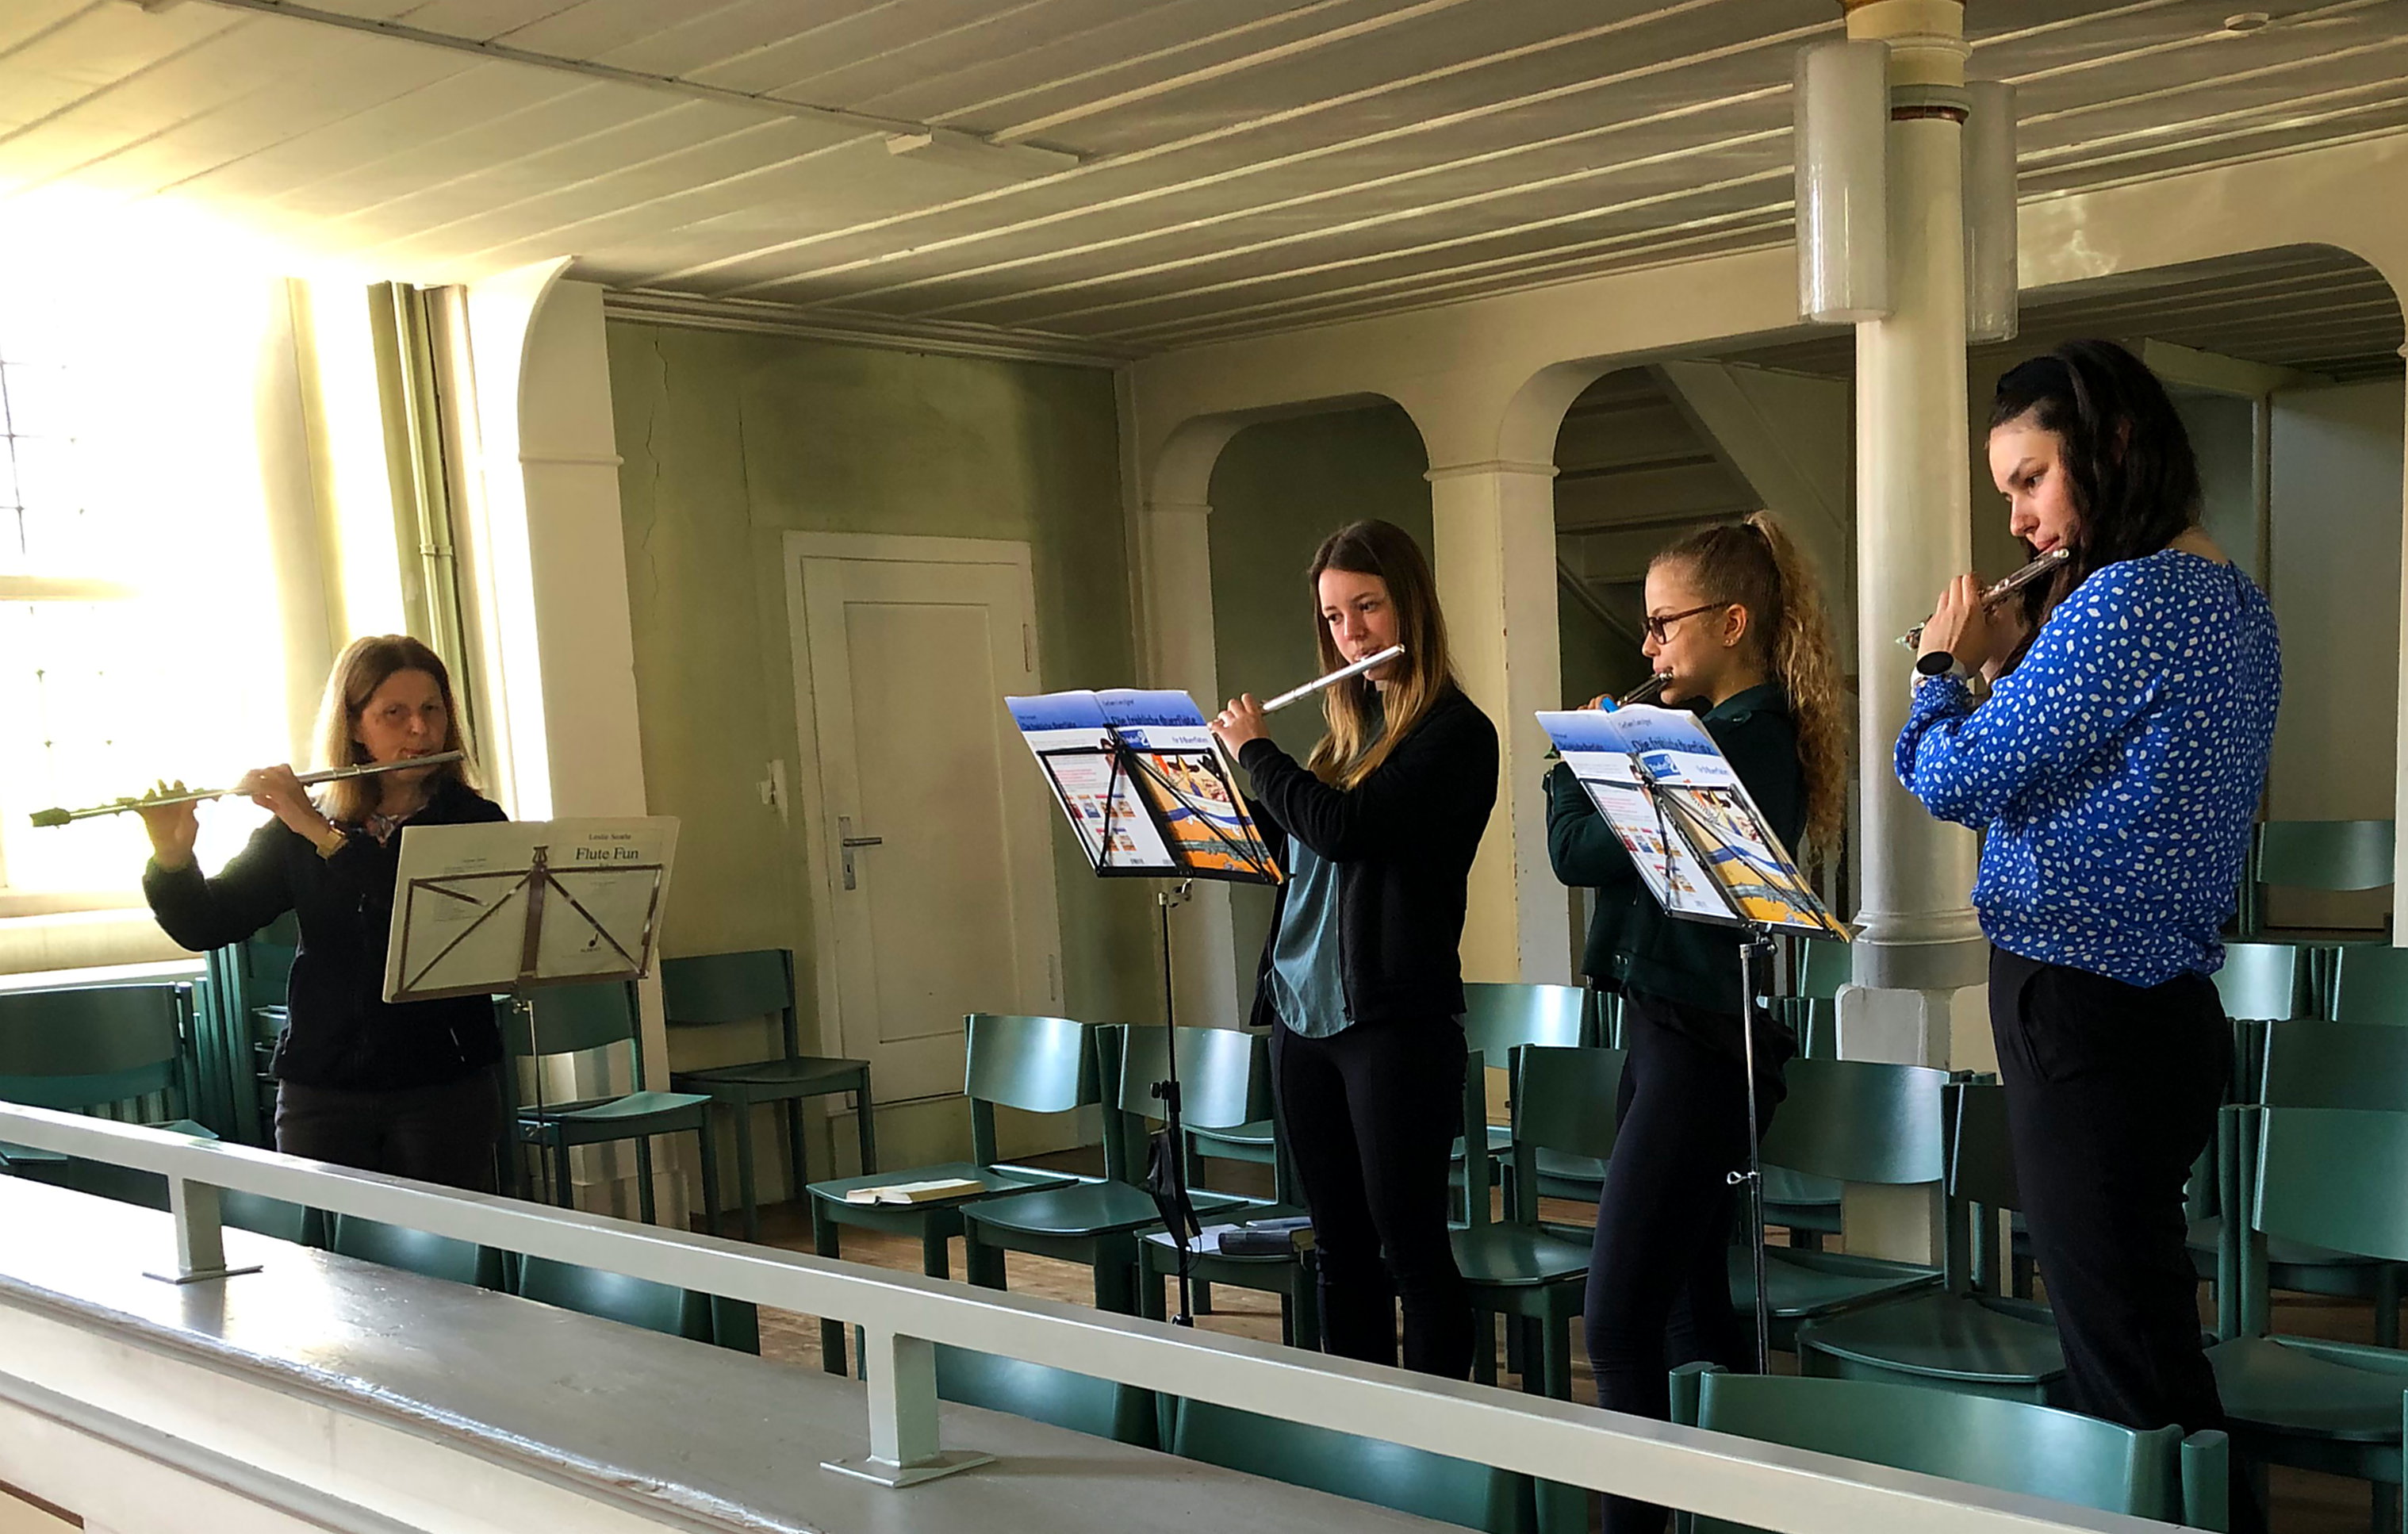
(406, 1088)
(1735, 622)
(1361, 980)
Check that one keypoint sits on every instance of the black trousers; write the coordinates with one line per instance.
(448, 1134)
(1659, 1277)
(2112, 1092)
(1372, 1114)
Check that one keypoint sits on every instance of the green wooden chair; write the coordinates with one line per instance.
(248, 983)
(114, 1051)
(2371, 984)
(1852, 1121)
(1968, 1338)
(714, 988)
(2307, 1063)
(1097, 1224)
(1389, 1475)
(2005, 1446)
(417, 1252)
(1564, 1102)
(2331, 1177)
(2315, 854)
(1294, 1277)
(1498, 1018)
(571, 1019)
(1806, 1206)
(1036, 1065)
(639, 1302)
(265, 1216)
(1079, 1402)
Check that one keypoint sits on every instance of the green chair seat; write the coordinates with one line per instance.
(1255, 1140)
(998, 1180)
(1082, 1208)
(623, 1113)
(1970, 1341)
(1292, 1275)
(1244, 1211)
(770, 1073)
(2280, 1385)
(1806, 1285)
(1514, 1256)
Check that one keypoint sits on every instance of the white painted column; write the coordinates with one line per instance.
(1494, 528)
(1179, 608)
(1921, 959)
(549, 588)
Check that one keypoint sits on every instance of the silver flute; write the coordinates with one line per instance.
(1646, 692)
(1912, 638)
(119, 807)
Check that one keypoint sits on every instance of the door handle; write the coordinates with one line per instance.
(846, 843)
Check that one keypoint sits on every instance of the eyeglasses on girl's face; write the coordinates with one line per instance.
(1659, 625)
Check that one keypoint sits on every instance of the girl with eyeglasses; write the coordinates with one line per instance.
(1736, 627)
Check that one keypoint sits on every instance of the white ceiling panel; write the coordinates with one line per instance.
(1241, 165)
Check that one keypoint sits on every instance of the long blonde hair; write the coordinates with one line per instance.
(364, 665)
(1757, 564)
(1356, 743)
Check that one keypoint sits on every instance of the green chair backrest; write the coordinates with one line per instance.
(1039, 1064)
(2332, 1177)
(1079, 1402)
(416, 1252)
(2314, 1063)
(1222, 1080)
(1500, 1016)
(1860, 1121)
(1564, 1099)
(89, 1048)
(265, 1216)
(727, 987)
(2371, 983)
(2006, 1446)
(1824, 965)
(1816, 1019)
(2325, 855)
(567, 1019)
(615, 1296)
(2263, 982)
(1389, 1475)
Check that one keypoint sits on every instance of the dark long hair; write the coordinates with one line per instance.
(1758, 565)
(1350, 752)
(2128, 459)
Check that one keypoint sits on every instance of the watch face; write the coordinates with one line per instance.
(1937, 663)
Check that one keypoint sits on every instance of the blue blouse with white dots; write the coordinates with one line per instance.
(2116, 772)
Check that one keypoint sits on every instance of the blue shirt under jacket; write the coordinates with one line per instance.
(2116, 773)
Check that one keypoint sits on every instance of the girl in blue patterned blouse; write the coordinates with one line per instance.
(2114, 769)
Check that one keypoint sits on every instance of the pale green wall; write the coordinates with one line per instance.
(731, 441)
(1278, 490)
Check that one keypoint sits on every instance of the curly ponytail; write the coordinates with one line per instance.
(1758, 565)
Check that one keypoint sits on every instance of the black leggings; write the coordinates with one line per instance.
(1371, 1113)
(1658, 1278)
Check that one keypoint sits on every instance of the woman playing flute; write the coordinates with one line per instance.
(406, 1088)
(2116, 769)
(1361, 978)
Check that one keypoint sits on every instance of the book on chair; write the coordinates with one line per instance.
(916, 1193)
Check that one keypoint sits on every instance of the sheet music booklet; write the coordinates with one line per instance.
(1144, 785)
(1702, 845)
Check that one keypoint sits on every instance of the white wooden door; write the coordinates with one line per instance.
(935, 840)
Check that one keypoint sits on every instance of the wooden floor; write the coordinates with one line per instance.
(2303, 1502)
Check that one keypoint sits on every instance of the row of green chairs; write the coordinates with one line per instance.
(614, 1296)
(116, 1051)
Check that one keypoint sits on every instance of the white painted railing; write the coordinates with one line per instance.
(905, 1315)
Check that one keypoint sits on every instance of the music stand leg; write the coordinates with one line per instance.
(1167, 1092)
(1753, 1177)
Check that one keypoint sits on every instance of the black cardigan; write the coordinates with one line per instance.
(341, 1032)
(1632, 944)
(1402, 839)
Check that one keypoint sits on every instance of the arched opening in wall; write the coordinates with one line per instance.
(2285, 365)
(1278, 488)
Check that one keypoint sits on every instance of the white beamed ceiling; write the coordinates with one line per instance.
(1248, 165)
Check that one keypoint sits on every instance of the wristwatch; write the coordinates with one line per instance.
(1940, 663)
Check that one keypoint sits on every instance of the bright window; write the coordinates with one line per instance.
(140, 624)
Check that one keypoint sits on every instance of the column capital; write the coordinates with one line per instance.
(1489, 465)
